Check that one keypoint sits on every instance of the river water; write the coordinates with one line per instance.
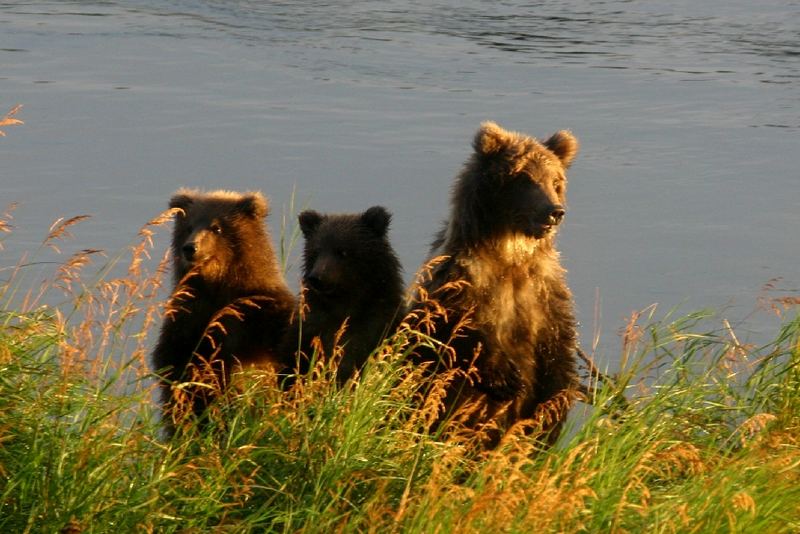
(686, 191)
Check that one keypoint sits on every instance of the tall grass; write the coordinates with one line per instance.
(695, 432)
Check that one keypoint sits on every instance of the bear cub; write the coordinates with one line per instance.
(494, 267)
(230, 304)
(350, 273)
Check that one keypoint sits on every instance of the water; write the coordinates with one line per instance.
(685, 192)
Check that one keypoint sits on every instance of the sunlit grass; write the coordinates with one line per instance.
(9, 119)
(695, 433)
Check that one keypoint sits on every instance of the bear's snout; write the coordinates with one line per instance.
(543, 222)
(323, 275)
(201, 246)
(556, 215)
(318, 284)
(189, 251)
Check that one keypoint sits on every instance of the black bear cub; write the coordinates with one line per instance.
(495, 269)
(230, 304)
(350, 275)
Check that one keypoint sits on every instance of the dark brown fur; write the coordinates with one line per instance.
(350, 273)
(230, 305)
(495, 270)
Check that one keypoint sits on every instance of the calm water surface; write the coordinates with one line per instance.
(686, 191)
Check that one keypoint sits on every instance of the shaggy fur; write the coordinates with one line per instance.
(495, 270)
(230, 304)
(351, 277)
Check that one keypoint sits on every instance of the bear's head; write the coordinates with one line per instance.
(215, 230)
(347, 258)
(514, 184)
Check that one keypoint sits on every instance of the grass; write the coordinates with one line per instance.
(695, 432)
(9, 120)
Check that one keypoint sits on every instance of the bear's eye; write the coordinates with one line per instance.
(217, 229)
(342, 253)
(559, 188)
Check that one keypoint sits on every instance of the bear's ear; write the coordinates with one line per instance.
(491, 139)
(564, 145)
(309, 222)
(253, 204)
(183, 198)
(377, 219)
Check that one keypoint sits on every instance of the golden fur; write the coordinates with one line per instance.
(508, 312)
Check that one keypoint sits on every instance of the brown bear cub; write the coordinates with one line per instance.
(494, 270)
(350, 274)
(230, 304)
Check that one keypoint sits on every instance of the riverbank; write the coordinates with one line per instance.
(695, 432)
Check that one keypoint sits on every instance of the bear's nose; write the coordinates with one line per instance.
(317, 284)
(313, 282)
(189, 250)
(556, 215)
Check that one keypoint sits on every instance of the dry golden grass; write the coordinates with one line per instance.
(697, 432)
(9, 120)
